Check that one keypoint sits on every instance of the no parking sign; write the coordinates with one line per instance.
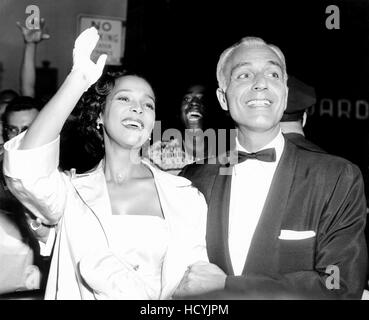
(112, 36)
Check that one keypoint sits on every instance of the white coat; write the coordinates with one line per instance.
(80, 204)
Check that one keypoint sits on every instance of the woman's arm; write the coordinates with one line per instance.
(49, 122)
(31, 158)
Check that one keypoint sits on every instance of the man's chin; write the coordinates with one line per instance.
(193, 124)
(259, 126)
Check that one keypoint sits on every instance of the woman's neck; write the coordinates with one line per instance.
(121, 164)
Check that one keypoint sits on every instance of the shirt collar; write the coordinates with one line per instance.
(277, 143)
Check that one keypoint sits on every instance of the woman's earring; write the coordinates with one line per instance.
(98, 125)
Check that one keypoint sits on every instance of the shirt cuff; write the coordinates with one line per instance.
(40, 161)
(46, 248)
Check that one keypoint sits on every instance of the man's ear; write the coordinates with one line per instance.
(222, 99)
(286, 97)
(304, 118)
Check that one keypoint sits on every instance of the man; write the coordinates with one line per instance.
(300, 98)
(18, 116)
(190, 144)
(24, 238)
(193, 107)
(284, 222)
(31, 38)
(5, 97)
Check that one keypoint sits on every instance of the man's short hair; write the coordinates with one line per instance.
(21, 103)
(251, 42)
(7, 95)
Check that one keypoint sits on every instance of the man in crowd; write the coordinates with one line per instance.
(24, 239)
(190, 144)
(5, 97)
(283, 221)
(25, 243)
(300, 98)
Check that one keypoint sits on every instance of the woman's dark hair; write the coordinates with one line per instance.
(88, 109)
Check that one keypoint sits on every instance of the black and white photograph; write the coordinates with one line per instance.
(197, 153)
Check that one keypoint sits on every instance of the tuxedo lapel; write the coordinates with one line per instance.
(217, 222)
(262, 257)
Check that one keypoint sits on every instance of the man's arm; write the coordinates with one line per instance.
(31, 38)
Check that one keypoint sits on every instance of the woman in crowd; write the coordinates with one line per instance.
(125, 229)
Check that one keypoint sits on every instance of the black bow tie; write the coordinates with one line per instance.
(267, 155)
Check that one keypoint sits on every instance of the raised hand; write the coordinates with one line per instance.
(83, 47)
(33, 35)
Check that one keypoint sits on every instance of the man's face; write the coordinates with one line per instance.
(193, 108)
(18, 121)
(256, 95)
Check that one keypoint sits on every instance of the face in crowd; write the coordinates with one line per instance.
(193, 107)
(129, 114)
(5, 97)
(18, 121)
(254, 88)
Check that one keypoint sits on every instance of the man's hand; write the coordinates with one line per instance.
(33, 35)
(201, 277)
(83, 47)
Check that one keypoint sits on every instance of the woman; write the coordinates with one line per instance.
(125, 229)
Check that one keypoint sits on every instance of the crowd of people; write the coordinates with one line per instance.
(263, 214)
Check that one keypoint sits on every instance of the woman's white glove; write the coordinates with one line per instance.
(83, 47)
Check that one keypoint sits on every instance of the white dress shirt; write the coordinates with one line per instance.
(47, 247)
(251, 181)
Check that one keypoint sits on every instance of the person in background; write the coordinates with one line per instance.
(172, 155)
(5, 97)
(300, 98)
(31, 38)
(283, 221)
(26, 245)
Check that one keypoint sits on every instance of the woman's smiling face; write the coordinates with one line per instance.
(129, 113)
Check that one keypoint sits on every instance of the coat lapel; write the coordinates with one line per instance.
(93, 191)
(263, 251)
(217, 222)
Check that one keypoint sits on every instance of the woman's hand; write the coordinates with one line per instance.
(82, 63)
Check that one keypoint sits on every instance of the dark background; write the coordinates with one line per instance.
(173, 42)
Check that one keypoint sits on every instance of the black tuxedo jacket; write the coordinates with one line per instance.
(299, 140)
(309, 191)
